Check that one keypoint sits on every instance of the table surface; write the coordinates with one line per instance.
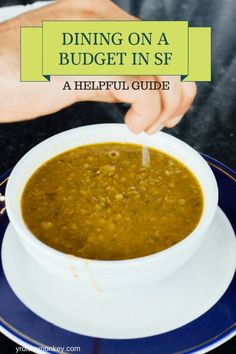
(209, 127)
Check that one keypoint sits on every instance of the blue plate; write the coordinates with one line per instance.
(210, 330)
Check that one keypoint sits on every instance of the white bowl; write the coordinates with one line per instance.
(110, 275)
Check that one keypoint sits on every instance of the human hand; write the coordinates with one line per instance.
(149, 111)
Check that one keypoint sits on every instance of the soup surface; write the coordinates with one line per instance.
(99, 202)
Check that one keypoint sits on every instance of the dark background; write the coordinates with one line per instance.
(210, 125)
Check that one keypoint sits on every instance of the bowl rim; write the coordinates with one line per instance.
(27, 235)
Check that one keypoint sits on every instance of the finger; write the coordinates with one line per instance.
(173, 121)
(170, 100)
(189, 90)
(145, 106)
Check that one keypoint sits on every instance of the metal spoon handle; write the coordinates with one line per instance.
(2, 204)
(145, 156)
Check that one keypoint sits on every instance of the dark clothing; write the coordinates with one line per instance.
(210, 125)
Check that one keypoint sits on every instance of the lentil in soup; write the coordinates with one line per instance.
(99, 202)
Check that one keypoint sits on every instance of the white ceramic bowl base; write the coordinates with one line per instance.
(127, 275)
(171, 303)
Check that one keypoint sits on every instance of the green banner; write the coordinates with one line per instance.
(115, 48)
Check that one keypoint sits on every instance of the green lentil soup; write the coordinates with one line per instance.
(99, 202)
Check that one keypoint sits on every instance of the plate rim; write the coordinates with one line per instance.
(204, 347)
(201, 349)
